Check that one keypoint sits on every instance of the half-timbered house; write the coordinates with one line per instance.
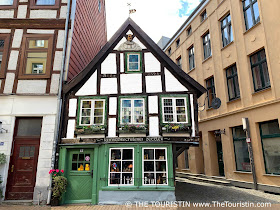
(126, 118)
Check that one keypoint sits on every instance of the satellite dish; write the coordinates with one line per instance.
(216, 103)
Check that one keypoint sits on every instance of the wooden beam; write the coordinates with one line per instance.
(33, 23)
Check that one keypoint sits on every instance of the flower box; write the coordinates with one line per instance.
(132, 128)
(93, 129)
(176, 128)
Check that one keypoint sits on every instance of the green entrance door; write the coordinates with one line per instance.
(80, 176)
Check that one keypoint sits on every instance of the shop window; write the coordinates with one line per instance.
(232, 82)
(155, 166)
(270, 135)
(259, 70)
(179, 62)
(206, 46)
(251, 13)
(227, 36)
(92, 112)
(36, 57)
(132, 111)
(133, 62)
(4, 45)
(211, 94)
(203, 15)
(191, 58)
(121, 166)
(241, 152)
(187, 159)
(81, 162)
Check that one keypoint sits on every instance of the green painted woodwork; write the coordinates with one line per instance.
(125, 61)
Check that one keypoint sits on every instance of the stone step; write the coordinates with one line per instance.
(219, 178)
(18, 202)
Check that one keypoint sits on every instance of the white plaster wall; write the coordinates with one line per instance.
(121, 62)
(131, 83)
(90, 87)
(64, 1)
(153, 126)
(22, 10)
(7, 13)
(112, 105)
(17, 38)
(43, 13)
(63, 12)
(151, 63)
(72, 107)
(54, 84)
(39, 31)
(9, 83)
(32, 86)
(136, 40)
(23, 0)
(109, 86)
(70, 129)
(5, 31)
(60, 39)
(171, 83)
(57, 61)
(192, 114)
(153, 84)
(12, 65)
(112, 123)
(153, 104)
(109, 64)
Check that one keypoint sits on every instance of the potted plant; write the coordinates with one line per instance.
(91, 129)
(173, 128)
(130, 128)
(59, 184)
(2, 158)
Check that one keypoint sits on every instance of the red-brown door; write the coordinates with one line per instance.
(24, 158)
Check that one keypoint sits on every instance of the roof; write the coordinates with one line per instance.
(129, 24)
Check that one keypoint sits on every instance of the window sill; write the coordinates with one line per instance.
(261, 91)
(206, 59)
(192, 69)
(138, 188)
(242, 172)
(229, 44)
(234, 100)
(254, 26)
(209, 109)
(272, 175)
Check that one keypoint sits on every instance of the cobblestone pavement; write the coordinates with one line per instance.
(195, 194)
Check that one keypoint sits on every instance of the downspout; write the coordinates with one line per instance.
(59, 100)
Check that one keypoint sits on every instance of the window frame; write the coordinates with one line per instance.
(189, 31)
(259, 64)
(179, 61)
(93, 98)
(178, 42)
(191, 56)
(229, 77)
(13, 6)
(33, 5)
(207, 34)
(4, 62)
(154, 160)
(211, 87)
(25, 50)
(203, 16)
(121, 160)
(126, 61)
(228, 27)
(250, 6)
(169, 51)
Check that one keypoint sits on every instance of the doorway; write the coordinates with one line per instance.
(24, 158)
(220, 154)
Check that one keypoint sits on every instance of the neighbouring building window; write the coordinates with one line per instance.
(121, 166)
(155, 166)
(187, 159)
(191, 58)
(241, 152)
(169, 51)
(132, 111)
(203, 16)
(210, 86)
(36, 57)
(189, 31)
(133, 62)
(232, 82)
(179, 62)
(206, 45)
(259, 70)
(92, 112)
(6, 2)
(270, 135)
(99, 5)
(251, 13)
(174, 110)
(4, 43)
(227, 36)
(45, 2)
(177, 42)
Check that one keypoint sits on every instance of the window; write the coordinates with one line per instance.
(210, 86)
(92, 112)
(206, 45)
(121, 166)
(4, 45)
(6, 2)
(260, 71)
(179, 62)
(187, 159)
(81, 162)
(177, 42)
(133, 62)
(45, 2)
(169, 51)
(241, 152)
(155, 166)
(251, 13)
(36, 57)
(132, 111)
(203, 16)
(189, 31)
(191, 58)
(232, 83)
(174, 110)
(99, 5)
(270, 135)
(227, 36)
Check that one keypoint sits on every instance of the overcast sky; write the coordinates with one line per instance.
(156, 17)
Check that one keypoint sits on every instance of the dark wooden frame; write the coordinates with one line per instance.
(25, 50)
(250, 6)
(13, 6)
(189, 31)
(210, 87)
(234, 74)
(229, 30)
(178, 42)
(204, 45)
(4, 63)
(191, 56)
(203, 15)
(34, 6)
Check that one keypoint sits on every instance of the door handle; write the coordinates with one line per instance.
(12, 168)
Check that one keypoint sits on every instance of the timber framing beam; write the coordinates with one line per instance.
(33, 23)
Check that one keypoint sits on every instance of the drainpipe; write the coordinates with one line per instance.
(59, 100)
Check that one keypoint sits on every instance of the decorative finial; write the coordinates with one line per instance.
(130, 11)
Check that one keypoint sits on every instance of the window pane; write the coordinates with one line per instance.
(29, 127)
(36, 63)
(98, 120)
(126, 103)
(249, 19)
(256, 12)
(86, 112)
(127, 178)
(180, 110)
(270, 128)
(149, 166)
(181, 118)
(161, 178)
(160, 154)
(38, 43)
(127, 166)
(115, 166)
(45, 2)
(265, 75)
(98, 112)
(237, 90)
(271, 147)
(98, 104)
(1, 58)
(149, 178)
(127, 154)
(180, 102)
(257, 78)
(167, 102)
(133, 58)
(246, 3)
(231, 88)
(168, 118)
(115, 154)
(254, 58)
(115, 178)
(85, 120)
(6, 2)
(133, 66)
(242, 156)
(86, 104)
(148, 154)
